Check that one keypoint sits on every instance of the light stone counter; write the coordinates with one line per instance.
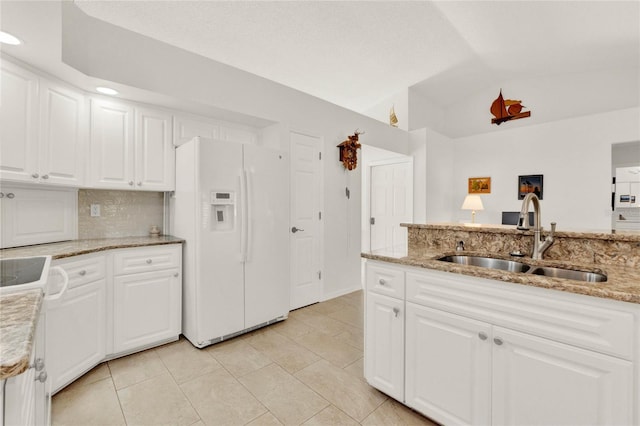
(19, 311)
(623, 283)
(18, 320)
(78, 247)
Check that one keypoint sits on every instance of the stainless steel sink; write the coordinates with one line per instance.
(548, 271)
(19, 274)
(487, 262)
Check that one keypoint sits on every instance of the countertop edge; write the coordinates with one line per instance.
(19, 363)
(64, 249)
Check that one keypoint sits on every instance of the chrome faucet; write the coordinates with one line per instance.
(539, 245)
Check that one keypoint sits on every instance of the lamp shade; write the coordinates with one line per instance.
(472, 202)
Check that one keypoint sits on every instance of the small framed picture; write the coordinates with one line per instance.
(480, 185)
(530, 183)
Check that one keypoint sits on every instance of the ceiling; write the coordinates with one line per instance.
(358, 53)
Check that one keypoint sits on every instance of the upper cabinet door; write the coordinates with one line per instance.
(18, 124)
(155, 156)
(62, 135)
(111, 146)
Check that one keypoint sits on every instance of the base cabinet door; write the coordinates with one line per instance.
(541, 382)
(146, 309)
(76, 332)
(448, 370)
(384, 341)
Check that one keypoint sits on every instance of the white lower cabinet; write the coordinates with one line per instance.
(448, 361)
(541, 382)
(479, 352)
(105, 313)
(25, 398)
(145, 309)
(384, 365)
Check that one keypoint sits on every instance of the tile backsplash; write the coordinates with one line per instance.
(122, 213)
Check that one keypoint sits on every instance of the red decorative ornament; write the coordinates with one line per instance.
(507, 110)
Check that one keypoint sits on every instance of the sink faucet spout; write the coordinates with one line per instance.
(539, 246)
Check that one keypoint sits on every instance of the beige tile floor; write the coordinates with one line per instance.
(305, 370)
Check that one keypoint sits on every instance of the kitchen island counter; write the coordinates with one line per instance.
(623, 282)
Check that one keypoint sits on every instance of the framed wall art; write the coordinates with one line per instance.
(530, 183)
(480, 185)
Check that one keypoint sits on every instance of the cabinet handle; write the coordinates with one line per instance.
(82, 273)
(139, 183)
(10, 195)
(41, 377)
(45, 176)
(35, 175)
(149, 261)
(176, 275)
(498, 341)
(38, 364)
(130, 183)
(482, 335)
(1, 194)
(382, 281)
(396, 311)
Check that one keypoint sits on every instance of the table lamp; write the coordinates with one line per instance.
(473, 203)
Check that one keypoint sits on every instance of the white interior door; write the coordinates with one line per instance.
(391, 204)
(306, 220)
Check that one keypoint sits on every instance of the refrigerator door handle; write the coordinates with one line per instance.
(244, 213)
(247, 244)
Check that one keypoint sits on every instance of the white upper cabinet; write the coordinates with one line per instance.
(42, 129)
(155, 156)
(111, 145)
(130, 148)
(62, 134)
(18, 123)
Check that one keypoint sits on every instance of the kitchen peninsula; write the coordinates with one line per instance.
(476, 345)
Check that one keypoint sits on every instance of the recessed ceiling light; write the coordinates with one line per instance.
(107, 91)
(7, 38)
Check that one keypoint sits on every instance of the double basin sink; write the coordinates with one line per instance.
(514, 266)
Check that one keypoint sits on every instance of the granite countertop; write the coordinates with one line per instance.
(19, 314)
(623, 282)
(78, 247)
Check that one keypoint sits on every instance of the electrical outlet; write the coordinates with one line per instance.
(95, 210)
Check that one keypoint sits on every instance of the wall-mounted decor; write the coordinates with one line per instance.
(480, 185)
(529, 183)
(349, 151)
(506, 110)
(393, 119)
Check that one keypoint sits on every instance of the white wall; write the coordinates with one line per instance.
(433, 176)
(574, 155)
(425, 114)
(400, 103)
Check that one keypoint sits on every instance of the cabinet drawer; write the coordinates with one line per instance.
(566, 318)
(385, 280)
(147, 259)
(83, 269)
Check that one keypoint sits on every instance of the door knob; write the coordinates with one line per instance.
(294, 229)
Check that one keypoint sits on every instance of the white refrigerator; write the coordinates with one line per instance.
(231, 205)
